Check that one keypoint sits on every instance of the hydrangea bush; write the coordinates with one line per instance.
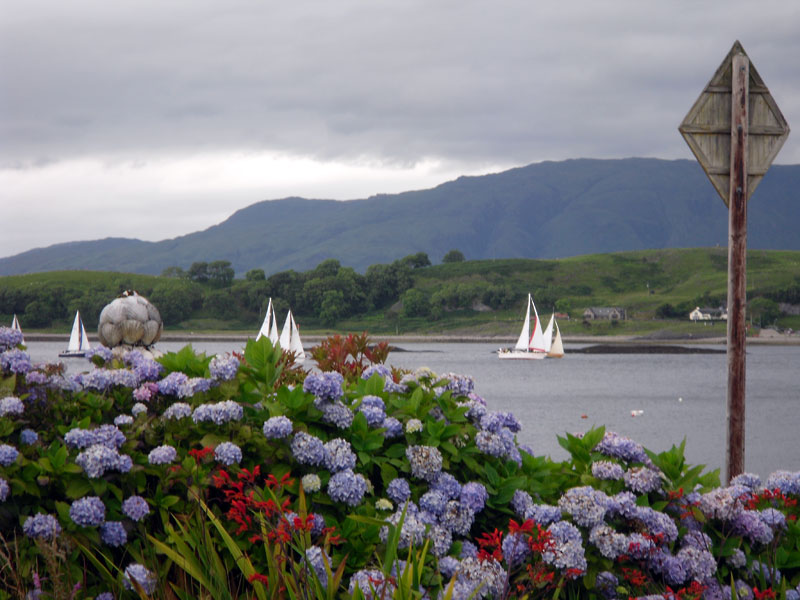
(244, 473)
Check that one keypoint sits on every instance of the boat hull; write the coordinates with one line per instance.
(520, 355)
(72, 354)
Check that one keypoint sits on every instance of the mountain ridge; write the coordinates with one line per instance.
(550, 209)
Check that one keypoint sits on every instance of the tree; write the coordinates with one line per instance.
(453, 256)
(220, 273)
(415, 304)
(199, 272)
(417, 261)
(332, 307)
(174, 273)
(763, 310)
(255, 275)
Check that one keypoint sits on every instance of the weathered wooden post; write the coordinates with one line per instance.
(735, 130)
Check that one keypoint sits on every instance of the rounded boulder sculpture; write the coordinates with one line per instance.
(129, 320)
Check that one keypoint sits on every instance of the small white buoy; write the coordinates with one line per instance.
(680, 399)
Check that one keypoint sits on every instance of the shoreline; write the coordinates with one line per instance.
(774, 340)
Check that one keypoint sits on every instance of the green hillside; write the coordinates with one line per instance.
(657, 289)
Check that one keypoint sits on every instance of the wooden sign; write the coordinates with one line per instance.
(707, 127)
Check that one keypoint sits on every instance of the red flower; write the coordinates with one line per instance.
(767, 593)
(199, 455)
(258, 577)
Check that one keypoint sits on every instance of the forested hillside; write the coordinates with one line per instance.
(544, 210)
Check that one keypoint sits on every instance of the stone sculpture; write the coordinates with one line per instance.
(129, 320)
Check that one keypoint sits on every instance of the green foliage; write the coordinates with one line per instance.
(453, 256)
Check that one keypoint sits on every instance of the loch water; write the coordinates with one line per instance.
(680, 395)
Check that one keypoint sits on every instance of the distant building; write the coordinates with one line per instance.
(562, 316)
(609, 313)
(709, 314)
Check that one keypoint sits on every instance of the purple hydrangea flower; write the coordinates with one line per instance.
(457, 517)
(347, 487)
(567, 550)
(138, 409)
(145, 392)
(459, 385)
(113, 534)
(11, 405)
(135, 508)
(314, 557)
(338, 455)
(474, 495)
(642, 480)
(379, 369)
(104, 353)
(228, 453)
(97, 459)
(277, 428)
(606, 583)
(218, 413)
(105, 435)
(5, 490)
(515, 549)
(162, 455)
(448, 485)
(36, 378)
(325, 386)
(88, 512)
(28, 437)
(194, 385)
(146, 579)
(433, 501)
(749, 480)
(8, 454)
(426, 461)
(394, 428)
(586, 505)
(307, 449)
(223, 367)
(15, 361)
(398, 490)
(177, 411)
(122, 420)
(41, 526)
(785, 481)
(372, 583)
(171, 384)
(374, 415)
(336, 413)
(9, 338)
(606, 470)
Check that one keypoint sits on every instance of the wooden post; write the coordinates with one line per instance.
(737, 264)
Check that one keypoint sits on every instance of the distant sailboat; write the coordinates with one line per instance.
(16, 327)
(529, 346)
(290, 338)
(78, 341)
(269, 327)
(557, 347)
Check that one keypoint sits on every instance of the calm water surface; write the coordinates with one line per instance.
(681, 395)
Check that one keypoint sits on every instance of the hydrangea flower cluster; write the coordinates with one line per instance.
(307, 449)
(277, 428)
(104, 353)
(145, 368)
(347, 487)
(194, 385)
(426, 461)
(177, 410)
(15, 361)
(223, 367)
(88, 511)
(374, 409)
(5, 490)
(135, 508)
(41, 526)
(338, 455)
(228, 453)
(162, 455)
(113, 534)
(146, 579)
(98, 458)
(172, 383)
(105, 435)
(8, 454)
(11, 405)
(145, 392)
(325, 386)
(9, 338)
(218, 413)
(311, 482)
(389, 385)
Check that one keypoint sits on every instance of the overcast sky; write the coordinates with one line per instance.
(154, 119)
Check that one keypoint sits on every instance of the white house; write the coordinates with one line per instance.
(709, 314)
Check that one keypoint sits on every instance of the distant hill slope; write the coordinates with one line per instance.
(544, 210)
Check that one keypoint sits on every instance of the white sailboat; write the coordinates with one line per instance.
(15, 326)
(78, 341)
(269, 327)
(557, 347)
(529, 346)
(290, 338)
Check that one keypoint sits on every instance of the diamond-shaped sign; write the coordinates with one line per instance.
(707, 127)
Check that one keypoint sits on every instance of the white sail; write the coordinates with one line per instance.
(78, 342)
(273, 331)
(548, 334)
(286, 332)
(267, 324)
(537, 339)
(522, 342)
(15, 325)
(557, 349)
(295, 344)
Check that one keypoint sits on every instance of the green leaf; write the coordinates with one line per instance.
(77, 488)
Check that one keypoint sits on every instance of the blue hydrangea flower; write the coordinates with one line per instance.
(379, 369)
(307, 449)
(515, 549)
(567, 550)
(223, 367)
(104, 353)
(122, 420)
(193, 386)
(618, 446)
(606, 583)
(326, 386)
(336, 413)
(15, 361)
(218, 413)
(171, 384)
(146, 579)
(228, 453)
(105, 435)
(113, 534)
(9, 338)
(338, 455)
(785, 481)
(138, 409)
(374, 415)
(394, 428)
(277, 428)
(606, 470)
(347, 487)
(474, 496)
(433, 501)
(145, 368)
(748, 480)
(28, 437)
(372, 583)
(41, 526)
(178, 410)
(105, 596)
(426, 461)
(97, 459)
(398, 490)
(448, 485)
(162, 455)
(88, 511)
(314, 557)
(8, 454)
(36, 378)
(11, 405)
(135, 508)
(642, 480)
(5, 490)
(586, 505)
(459, 385)
(457, 517)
